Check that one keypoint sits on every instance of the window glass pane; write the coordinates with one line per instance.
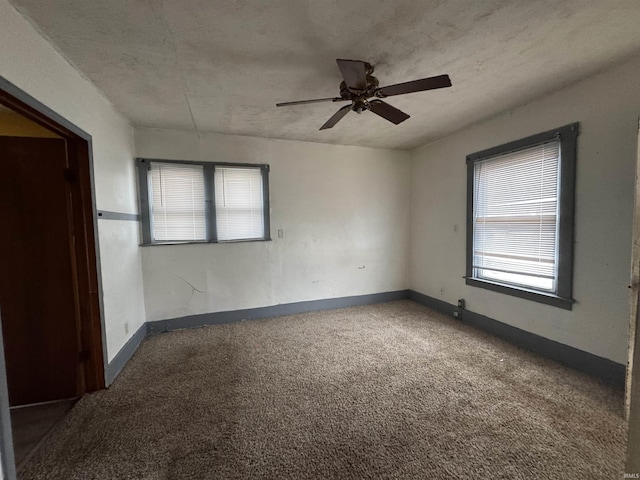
(515, 217)
(239, 203)
(177, 197)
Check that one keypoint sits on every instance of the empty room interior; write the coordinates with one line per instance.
(319, 240)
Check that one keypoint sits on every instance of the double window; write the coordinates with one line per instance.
(185, 202)
(520, 217)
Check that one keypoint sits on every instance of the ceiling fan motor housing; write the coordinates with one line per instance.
(350, 94)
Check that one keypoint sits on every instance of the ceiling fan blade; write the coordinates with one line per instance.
(387, 112)
(317, 100)
(336, 117)
(354, 73)
(431, 83)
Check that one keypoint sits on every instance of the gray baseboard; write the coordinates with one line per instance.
(116, 365)
(216, 318)
(599, 367)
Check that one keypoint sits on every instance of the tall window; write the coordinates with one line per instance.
(185, 202)
(520, 217)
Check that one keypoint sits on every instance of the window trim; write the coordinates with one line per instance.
(568, 135)
(208, 169)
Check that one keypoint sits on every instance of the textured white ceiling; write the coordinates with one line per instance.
(221, 66)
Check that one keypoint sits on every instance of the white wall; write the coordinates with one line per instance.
(344, 215)
(607, 106)
(28, 61)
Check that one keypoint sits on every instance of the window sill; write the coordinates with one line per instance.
(204, 242)
(536, 296)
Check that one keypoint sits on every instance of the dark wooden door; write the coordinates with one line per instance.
(37, 290)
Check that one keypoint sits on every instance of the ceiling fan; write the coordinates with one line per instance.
(360, 85)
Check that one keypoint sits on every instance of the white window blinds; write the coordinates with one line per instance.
(239, 203)
(177, 193)
(516, 217)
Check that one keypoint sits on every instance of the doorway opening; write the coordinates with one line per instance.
(49, 283)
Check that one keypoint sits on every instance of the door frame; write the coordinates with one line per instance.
(7, 459)
(632, 390)
(85, 250)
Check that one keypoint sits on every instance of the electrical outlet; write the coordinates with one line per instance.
(456, 314)
(455, 227)
(280, 233)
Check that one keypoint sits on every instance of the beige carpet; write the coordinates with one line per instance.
(384, 391)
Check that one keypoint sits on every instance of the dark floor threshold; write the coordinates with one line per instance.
(24, 454)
